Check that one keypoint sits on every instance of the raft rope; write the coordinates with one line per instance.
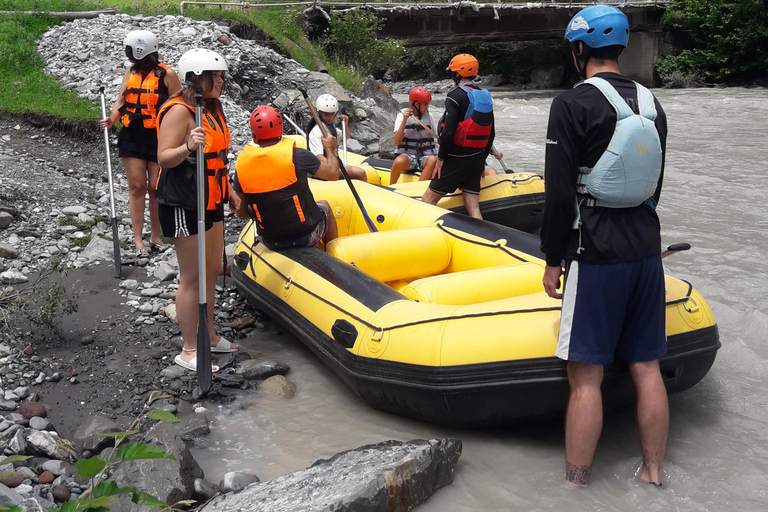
(382, 330)
(497, 245)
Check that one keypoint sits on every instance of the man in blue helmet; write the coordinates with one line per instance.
(604, 167)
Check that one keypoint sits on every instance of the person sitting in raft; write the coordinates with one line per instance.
(271, 182)
(415, 145)
(327, 106)
(146, 85)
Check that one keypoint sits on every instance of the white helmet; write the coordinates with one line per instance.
(327, 103)
(198, 60)
(142, 43)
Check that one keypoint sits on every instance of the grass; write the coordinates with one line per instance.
(27, 89)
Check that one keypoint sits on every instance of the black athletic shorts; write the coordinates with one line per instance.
(135, 141)
(459, 173)
(305, 240)
(177, 222)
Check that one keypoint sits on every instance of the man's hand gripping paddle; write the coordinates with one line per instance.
(366, 217)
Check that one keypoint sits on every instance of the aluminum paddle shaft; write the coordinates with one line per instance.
(204, 373)
(115, 240)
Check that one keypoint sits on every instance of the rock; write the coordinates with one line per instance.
(392, 475)
(36, 504)
(197, 426)
(151, 292)
(278, 386)
(235, 481)
(165, 271)
(5, 219)
(7, 405)
(32, 409)
(38, 423)
(260, 370)
(96, 424)
(9, 498)
(97, 249)
(61, 493)
(73, 210)
(46, 477)
(168, 480)
(56, 467)
(50, 445)
(170, 312)
(13, 277)
(204, 490)
(11, 479)
(379, 92)
(129, 284)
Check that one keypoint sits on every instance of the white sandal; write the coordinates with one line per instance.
(192, 363)
(224, 346)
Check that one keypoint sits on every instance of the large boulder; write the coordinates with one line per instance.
(394, 476)
(168, 480)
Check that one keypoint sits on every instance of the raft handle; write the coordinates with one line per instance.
(288, 283)
(380, 332)
(695, 305)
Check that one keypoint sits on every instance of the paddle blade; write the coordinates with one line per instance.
(204, 374)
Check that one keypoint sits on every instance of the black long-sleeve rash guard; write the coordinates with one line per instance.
(456, 105)
(581, 124)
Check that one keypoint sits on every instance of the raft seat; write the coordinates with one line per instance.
(476, 286)
(397, 255)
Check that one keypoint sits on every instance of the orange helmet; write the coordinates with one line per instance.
(266, 123)
(419, 94)
(464, 64)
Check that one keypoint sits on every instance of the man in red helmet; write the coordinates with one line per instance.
(415, 144)
(271, 182)
(466, 137)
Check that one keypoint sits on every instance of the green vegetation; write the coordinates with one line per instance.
(728, 42)
(99, 495)
(41, 302)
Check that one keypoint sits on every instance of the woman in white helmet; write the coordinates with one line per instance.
(146, 85)
(327, 106)
(178, 139)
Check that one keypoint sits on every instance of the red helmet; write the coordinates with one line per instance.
(419, 94)
(266, 123)
(464, 64)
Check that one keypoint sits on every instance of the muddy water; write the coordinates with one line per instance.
(714, 197)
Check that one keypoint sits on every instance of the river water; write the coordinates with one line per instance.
(714, 197)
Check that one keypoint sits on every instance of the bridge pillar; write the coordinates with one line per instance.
(638, 60)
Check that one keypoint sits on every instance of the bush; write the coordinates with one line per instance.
(352, 41)
(729, 40)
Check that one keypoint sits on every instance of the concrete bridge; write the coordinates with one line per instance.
(464, 22)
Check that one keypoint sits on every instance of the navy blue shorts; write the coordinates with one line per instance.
(613, 310)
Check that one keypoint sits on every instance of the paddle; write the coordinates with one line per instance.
(366, 217)
(301, 132)
(344, 140)
(494, 152)
(115, 241)
(675, 248)
(204, 372)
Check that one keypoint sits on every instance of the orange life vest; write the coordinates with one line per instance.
(143, 96)
(217, 141)
(282, 203)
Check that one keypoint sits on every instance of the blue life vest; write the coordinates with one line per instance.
(627, 174)
(475, 130)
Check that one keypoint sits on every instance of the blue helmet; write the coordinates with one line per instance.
(598, 26)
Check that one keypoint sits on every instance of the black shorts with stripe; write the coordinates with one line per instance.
(177, 222)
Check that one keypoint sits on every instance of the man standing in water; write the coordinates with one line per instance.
(604, 167)
(466, 137)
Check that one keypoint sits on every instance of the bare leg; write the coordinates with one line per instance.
(429, 166)
(400, 164)
(136, 170)
(652, 417)
(154, 221)
(431, 197)
(489, 171)
(357, 173)
(583, 422)
(472, 204)
(332, 229)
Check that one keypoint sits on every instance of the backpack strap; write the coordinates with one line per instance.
(646, 105)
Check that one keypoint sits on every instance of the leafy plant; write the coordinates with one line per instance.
(729, 40)
(41, 302)
(352, 41)
(99, 494)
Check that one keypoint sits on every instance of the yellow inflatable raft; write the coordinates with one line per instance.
(514, 200)
(442, 317)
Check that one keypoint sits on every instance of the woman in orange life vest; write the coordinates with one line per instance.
(146, 85)
(271, 182)
(178, 140)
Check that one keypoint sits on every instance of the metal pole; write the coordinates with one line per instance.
(115, 240)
